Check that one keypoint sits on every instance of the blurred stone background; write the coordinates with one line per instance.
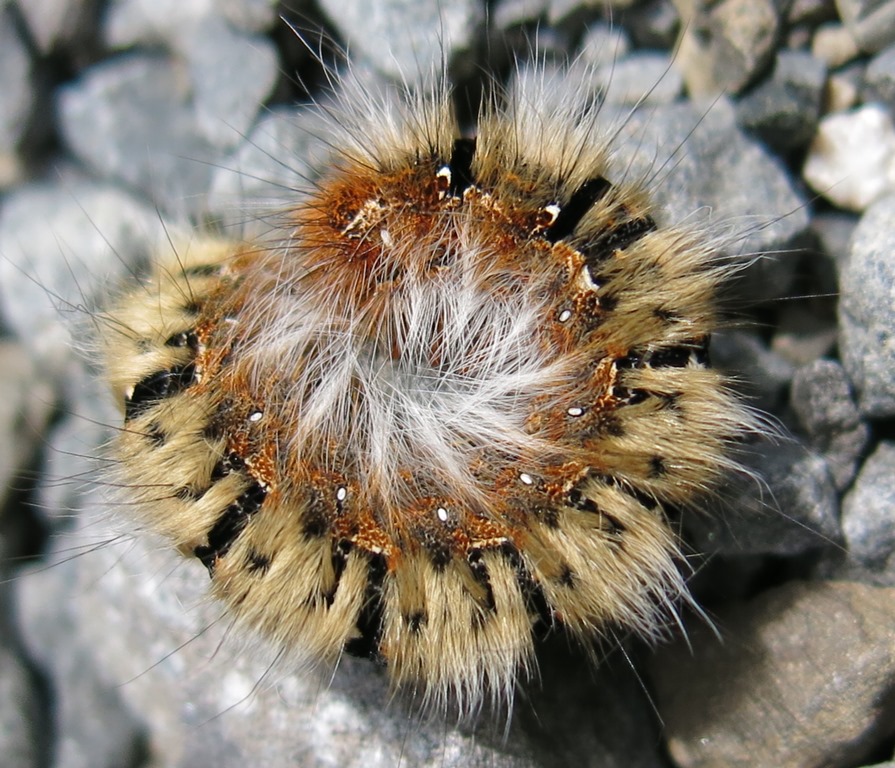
(770, 120)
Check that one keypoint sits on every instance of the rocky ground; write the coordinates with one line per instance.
(122, 120)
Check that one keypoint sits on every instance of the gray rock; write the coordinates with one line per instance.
(232, 74)
(20, 721)
(92, 728)
(834, 232)
(805, 332)
(511, 13)
(603, 45)
(25, 410)
(209, 696)
(726, 45)
(653, 24)
(405, 39)
(63, 245)
(53, 23)
(267, 171)
(834, 44)
(851, 160)
(704, 172)
(879, 79)
(784, 109)
(867, 311)
(16, 98)
(131, 118)
(641, 77)
(867, 510)
(804, 677)
(821, 399)
(785, 505)
(762, 373)
(151, 22)
(870, 22)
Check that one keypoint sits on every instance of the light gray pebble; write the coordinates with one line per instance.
(867, 510)
(404, 38)
(25, 409)
(653, 24)
(851, 160)
(764, 374)
(63, 245)
(232, 74)
(147, 619)
(726, 45)
(16, 98)
(53, 23)
(603, 45)
(131, 118)
(151, 22)
(511, 13)
(20, 720)
(803, 676)
(822, 401)
(834, 44)
(92, 728)
(786, 506)
(784, 109)
(834, 231)
(75, 455)
(879, 79)
(867, 311)
(702, 170)
(268, 170)
(642, 77)
(870, 22)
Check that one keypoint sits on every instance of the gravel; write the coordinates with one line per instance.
(174, 114)
(851, 160)
(867, 311)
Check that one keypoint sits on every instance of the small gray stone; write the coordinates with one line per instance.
(868, 510)
(821, 399)
(653, 24)
(151, 22)
(726, 45)
(784, 109)
(834, 44)
(870, 22)
(879, 79)
(804, 677)
(62, 245)
(785, 505)
(131, 118)
(405, 39)
(851, 161)
(603, 45)
(232, 74)
(867, 311)
(25, 410)
(92, 727)
(642, 77)
(145, 615)
(703, 171)
(268, 171)
(511, 13)
(55, 22)
(764, 374)
(834, 231)
(16, 98)
(20, 723)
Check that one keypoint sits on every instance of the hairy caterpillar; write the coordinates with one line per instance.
(453, 397)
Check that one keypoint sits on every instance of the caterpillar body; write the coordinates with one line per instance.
(456, 396)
